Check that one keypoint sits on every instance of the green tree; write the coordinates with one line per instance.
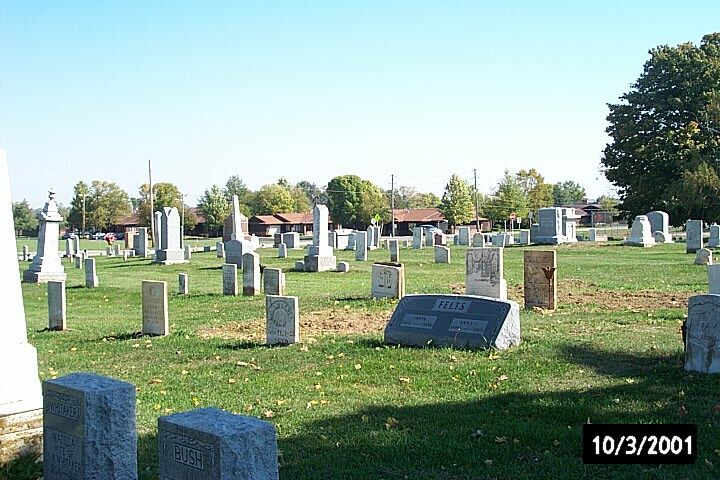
(609, 204)
(106, 204)
(313, 192)
(353, 201)
(538, 193)
(215, 208)
(568, 193)
(271, 199)
(235, 186)
(75, 217)
(301, 202)
(699, 193)
(24, 217)
(424, 200)
(165, 194)
(509, 197)
(664, 128)
(457, 204)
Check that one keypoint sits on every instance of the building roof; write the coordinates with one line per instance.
(295, 218)
(418, 215)
(266, 220)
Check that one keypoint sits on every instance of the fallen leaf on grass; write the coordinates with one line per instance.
(390, 422)
(500, 439)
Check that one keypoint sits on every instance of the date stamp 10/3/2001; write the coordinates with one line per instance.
(639, 443)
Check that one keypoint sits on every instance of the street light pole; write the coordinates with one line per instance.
(83, 217)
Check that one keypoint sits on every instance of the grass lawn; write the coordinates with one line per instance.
(345, 406)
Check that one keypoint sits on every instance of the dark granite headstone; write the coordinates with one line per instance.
(89, 428)
(211, 444)
(462, 321)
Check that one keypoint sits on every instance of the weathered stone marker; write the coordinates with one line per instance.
(234, 252)
(46, 264)
(388, 280)
(291, 239)
(251, 273)
(484, 272)
(183, 285)
(343, 267)
(211, 444)
(641, 233)
(188, 252)
(418, 237)
(394, 250)
(361, 246)
(478, 240)
(702, 334)
(154, 308)
(540, 279)
(464, 236)
(459, 321)
(57, 306)
(714, 278)
(229, 275)
(320, 256)
(703, 256)
(442, 254)
(282, 317)
(273, 281)
(694, 232)
(91, 278)
(282, 250)
(20, 394)
(89, 428)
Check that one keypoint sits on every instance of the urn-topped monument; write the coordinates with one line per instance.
(46, 265)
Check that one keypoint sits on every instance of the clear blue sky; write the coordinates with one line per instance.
(309, 90)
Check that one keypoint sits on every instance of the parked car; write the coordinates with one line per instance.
(67, 235)
(430, 229)
(120, 235)
(99, 236)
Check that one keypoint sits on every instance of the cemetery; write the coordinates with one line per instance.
(358, 384)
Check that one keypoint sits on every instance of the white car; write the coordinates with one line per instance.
(99, 236)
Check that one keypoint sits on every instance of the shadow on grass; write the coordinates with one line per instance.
(214, 268)
(245, 345)
(25, 466)
(504, 435)
(148, 456)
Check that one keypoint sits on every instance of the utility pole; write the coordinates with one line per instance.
(182, 221)
(152, 207)
(477, 216)
(392, 205)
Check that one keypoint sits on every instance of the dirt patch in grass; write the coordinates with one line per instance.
(580, 293)
(313, 324)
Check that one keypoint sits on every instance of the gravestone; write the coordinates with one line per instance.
(484, 272)
(714, 240)
(703, 257)
(660, 222)
(169, 251)
(46, 264)
(141, 243)
(694, 232)
(20, 395)
(291, 239)
(440, 239)
(282, 320)
(130, 233)
(188, 253)
(299, 266)
(239, 221)
(277, 239)
(418, 237)
(229, 276)
(80, 260)
(371, 238)
(534, 231)
(569, 224)
(442, 254)
(154, 308)
(108, 251)
(212, 444)
(183, 285)
(343, 267)
(219, 249)
(89, 428)
(361, 246)
(91, 278)
(332, 239)
(540, 279)
(320, 256)
(464, 236)
(394, 250)
(273, 281)
(702, 334)
(498, 240)
(640, 234)
(478, 240)
(376, 237)
(25, 253)
(713, 272)
(156, 237)
(69, 248)
(234, 252)
(57, 306)
(593, 236)
(455, 321)
(351, 242)
(429, 239)
(550, 226)
(251, 273)
(282, 251)
(388, 280)
(116, 249)
(524, 237)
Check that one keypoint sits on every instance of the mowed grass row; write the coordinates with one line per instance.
(347, 406)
